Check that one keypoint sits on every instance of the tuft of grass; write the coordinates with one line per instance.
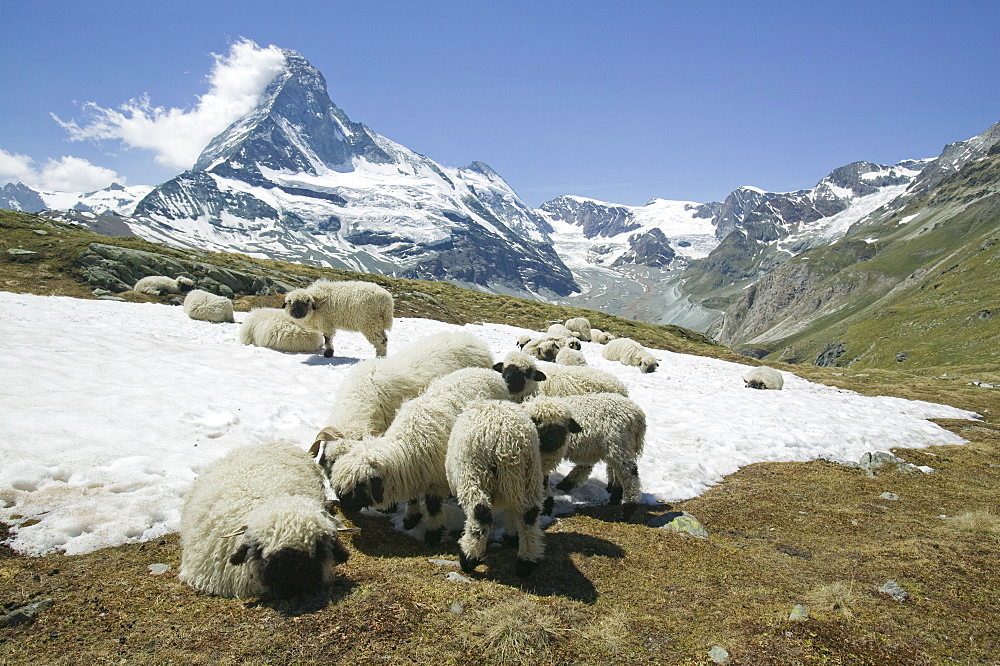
(982, 521)
(840, 598)
(517, 631)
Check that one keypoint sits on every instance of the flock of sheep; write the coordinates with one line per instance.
(438, 418)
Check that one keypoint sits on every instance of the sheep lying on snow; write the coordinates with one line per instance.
(562, 380)
(159, 285)
(253, 524)
(580, 326)
(373, 390)
(570, 357)
(763, 377)
(206, 306)
(521, 374)
(559, 331)
(408, 460)
(494, 461)
(613, 430)
(545, 348)
(601, 337)
(272, 328)
(327, 307)
(629, 352)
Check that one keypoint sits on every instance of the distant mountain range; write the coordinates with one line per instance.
(297, 180)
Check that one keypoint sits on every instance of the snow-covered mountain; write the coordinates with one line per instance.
(112, 200)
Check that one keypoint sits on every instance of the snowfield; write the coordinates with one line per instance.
(109, 410)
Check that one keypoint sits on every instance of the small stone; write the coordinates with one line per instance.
(158, 569)
(719, 655)
(456, 609)
(893, 497)
(894, 590)
(799, 613)
(41, 232)
(457, 577)
(25, 614)
(444, 563)
(680, 521)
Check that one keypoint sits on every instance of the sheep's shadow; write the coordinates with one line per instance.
(335, 361)
(333, 593)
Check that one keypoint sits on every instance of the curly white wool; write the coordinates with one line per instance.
(763, 377)
(328, 307)
(580, 326)
(272, 328)
(629, 352)
(206, 306)
(521, 374)
(159, 285)
(568, 356)
(562, 380)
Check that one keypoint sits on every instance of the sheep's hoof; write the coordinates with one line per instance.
(525, 567)
(565, 485)
(328, 353)
(511, 540)
(409, 522)
(433, 537)
(468, 564)
(616, 495)
(628, 509)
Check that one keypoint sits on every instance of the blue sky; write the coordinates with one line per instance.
(619, 101)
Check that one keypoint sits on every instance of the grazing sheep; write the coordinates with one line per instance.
(206, 306)
(763, 377)
(408, 460)
(629, 352)
(569, 356)
(563, 380)
(521, 374)
(601, 337)
(254, 524)
(274, 329)
(613, 430)
(328, 306)
(580, 326)
(373, 390)
(495, 461)
(160, 285)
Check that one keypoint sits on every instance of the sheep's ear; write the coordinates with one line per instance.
(573, 426)
(240, 556)
(538, 376)
(284, 304)
(376, 490)
(498, 366)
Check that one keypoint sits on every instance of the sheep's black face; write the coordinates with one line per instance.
(514, 377)
(298, 308)
(362, 495)
(291, 572)
(551, 436)
(756, 384)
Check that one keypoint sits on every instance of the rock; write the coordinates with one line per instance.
(23, 256)
(456, 609)
(892, 497)
(159, 569)
(680, 521)
(879, 462)
(457, 577)
(718, 655)
(25, 614)
(894, 590)
(799, 613)
(444, 563)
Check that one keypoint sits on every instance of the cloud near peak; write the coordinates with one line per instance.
(177, 136)
(66, 174)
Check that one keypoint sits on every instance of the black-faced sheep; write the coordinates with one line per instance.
(545, 348)
(763, 377)
(562, 380)
(570, 357)
(521, 374)
(254, 524)
(629, 352)
(328, 307)
(160, 285)
(580, 326)
(206, 306)
(601, 337)
(494, 462)
(274, 329)
(408, 460)
(613, 429)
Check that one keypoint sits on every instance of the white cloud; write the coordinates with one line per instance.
(177, 136)
(67, 174)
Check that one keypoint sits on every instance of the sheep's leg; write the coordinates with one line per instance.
(511, 538)
(478, 526)
(623, 483)
(328, 345)
(549, 502)
(435, 520)
(413, 514)
(577, 476)
(530, 546)
(379, 340)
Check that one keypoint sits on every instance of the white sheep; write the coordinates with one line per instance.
(274, 329)
(408, 460)
(613, 430)
(629, 352)
(254, 524)
(494, 462)
(546, 347)
(328, 306)
(159, 285)
(763, 377)
(601, 337)
(521, 374)
(206, 306)
(569, 356)
(580, 326)
(523, 340)
(373, 390)
(563, 380)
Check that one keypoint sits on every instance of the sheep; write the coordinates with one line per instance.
(580, 326)
(253, 524)
(613, 430)
(206, 306)
(494, 461)
(274, 329)
(601, 337)
(563, 380)
(159, 285)
(373, 390)
(763, 377)
(328, 306)
(408, 460)
(523, 340)
(629, 352)
(545, 348)
(569, 356)
(521, 374)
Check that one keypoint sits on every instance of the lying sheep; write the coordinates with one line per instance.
(254, 524)
(580, 326)
(274, 329)
(160, 285)
(601, 337)
(569, 356)
(521, 374)
(629, 352)
(613, 431)
(546, 348)
(763, 377)
(373, 390)
(206, 306)
(328, 306)
(523, 340)
(563, 380)
(494, 461)
(408, 460)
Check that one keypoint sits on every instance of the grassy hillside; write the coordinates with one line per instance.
(610, 591)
